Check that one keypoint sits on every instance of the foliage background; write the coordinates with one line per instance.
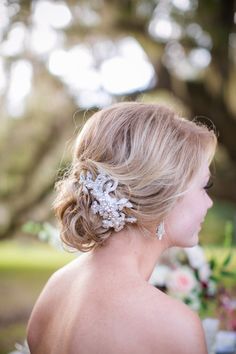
(62, 60)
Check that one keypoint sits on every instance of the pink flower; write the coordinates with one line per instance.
(181, 281)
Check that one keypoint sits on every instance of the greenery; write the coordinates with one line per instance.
(25, 266)
(198, 280)
(36, 146)
(9, 335)
(30, 256)
(214, 226)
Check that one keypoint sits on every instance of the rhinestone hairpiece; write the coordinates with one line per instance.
(109, 208)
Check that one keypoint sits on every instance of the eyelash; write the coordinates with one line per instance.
(209, 185)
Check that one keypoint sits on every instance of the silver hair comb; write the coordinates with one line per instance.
(109, 208)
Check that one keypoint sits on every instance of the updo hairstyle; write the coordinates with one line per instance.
(149, 149)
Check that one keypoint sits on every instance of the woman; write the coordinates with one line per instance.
(137, 187)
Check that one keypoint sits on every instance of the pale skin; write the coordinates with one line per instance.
(102, 303)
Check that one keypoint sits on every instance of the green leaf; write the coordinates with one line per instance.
(227, 273)
(228, 234)
(196, 274)
(212, 264)
(227, 259)
(215, 278)
(204, 305)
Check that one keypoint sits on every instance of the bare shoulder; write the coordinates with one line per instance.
(53, 289)
(44, 305)
(180, 326)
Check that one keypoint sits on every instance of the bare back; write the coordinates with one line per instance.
(81, 311)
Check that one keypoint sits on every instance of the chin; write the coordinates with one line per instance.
(192, 241)
(193, 244)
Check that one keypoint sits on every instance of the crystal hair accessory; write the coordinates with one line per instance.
(160, 230)
(109, 208)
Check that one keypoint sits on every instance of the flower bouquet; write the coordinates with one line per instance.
(188, 275)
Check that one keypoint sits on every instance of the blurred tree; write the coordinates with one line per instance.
(190, 43)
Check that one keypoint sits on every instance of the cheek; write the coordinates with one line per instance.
(187, 215)
(195, 204)
(192, 217)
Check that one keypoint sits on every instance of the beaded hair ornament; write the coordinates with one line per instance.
(108, 207)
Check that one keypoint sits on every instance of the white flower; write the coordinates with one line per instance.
(159, 275)
(21, 349)
(211, 290)
(181, 281)
(194, 301)
(204, 272)
(196, 256)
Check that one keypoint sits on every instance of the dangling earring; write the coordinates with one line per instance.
(160, 230)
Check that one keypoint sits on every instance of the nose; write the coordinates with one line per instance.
(209, 202)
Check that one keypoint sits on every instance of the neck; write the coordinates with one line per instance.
(130, 251)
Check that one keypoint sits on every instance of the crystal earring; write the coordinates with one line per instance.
(160, 230)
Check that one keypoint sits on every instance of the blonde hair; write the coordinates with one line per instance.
(152, 152)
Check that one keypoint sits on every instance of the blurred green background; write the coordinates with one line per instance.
(62, 60)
